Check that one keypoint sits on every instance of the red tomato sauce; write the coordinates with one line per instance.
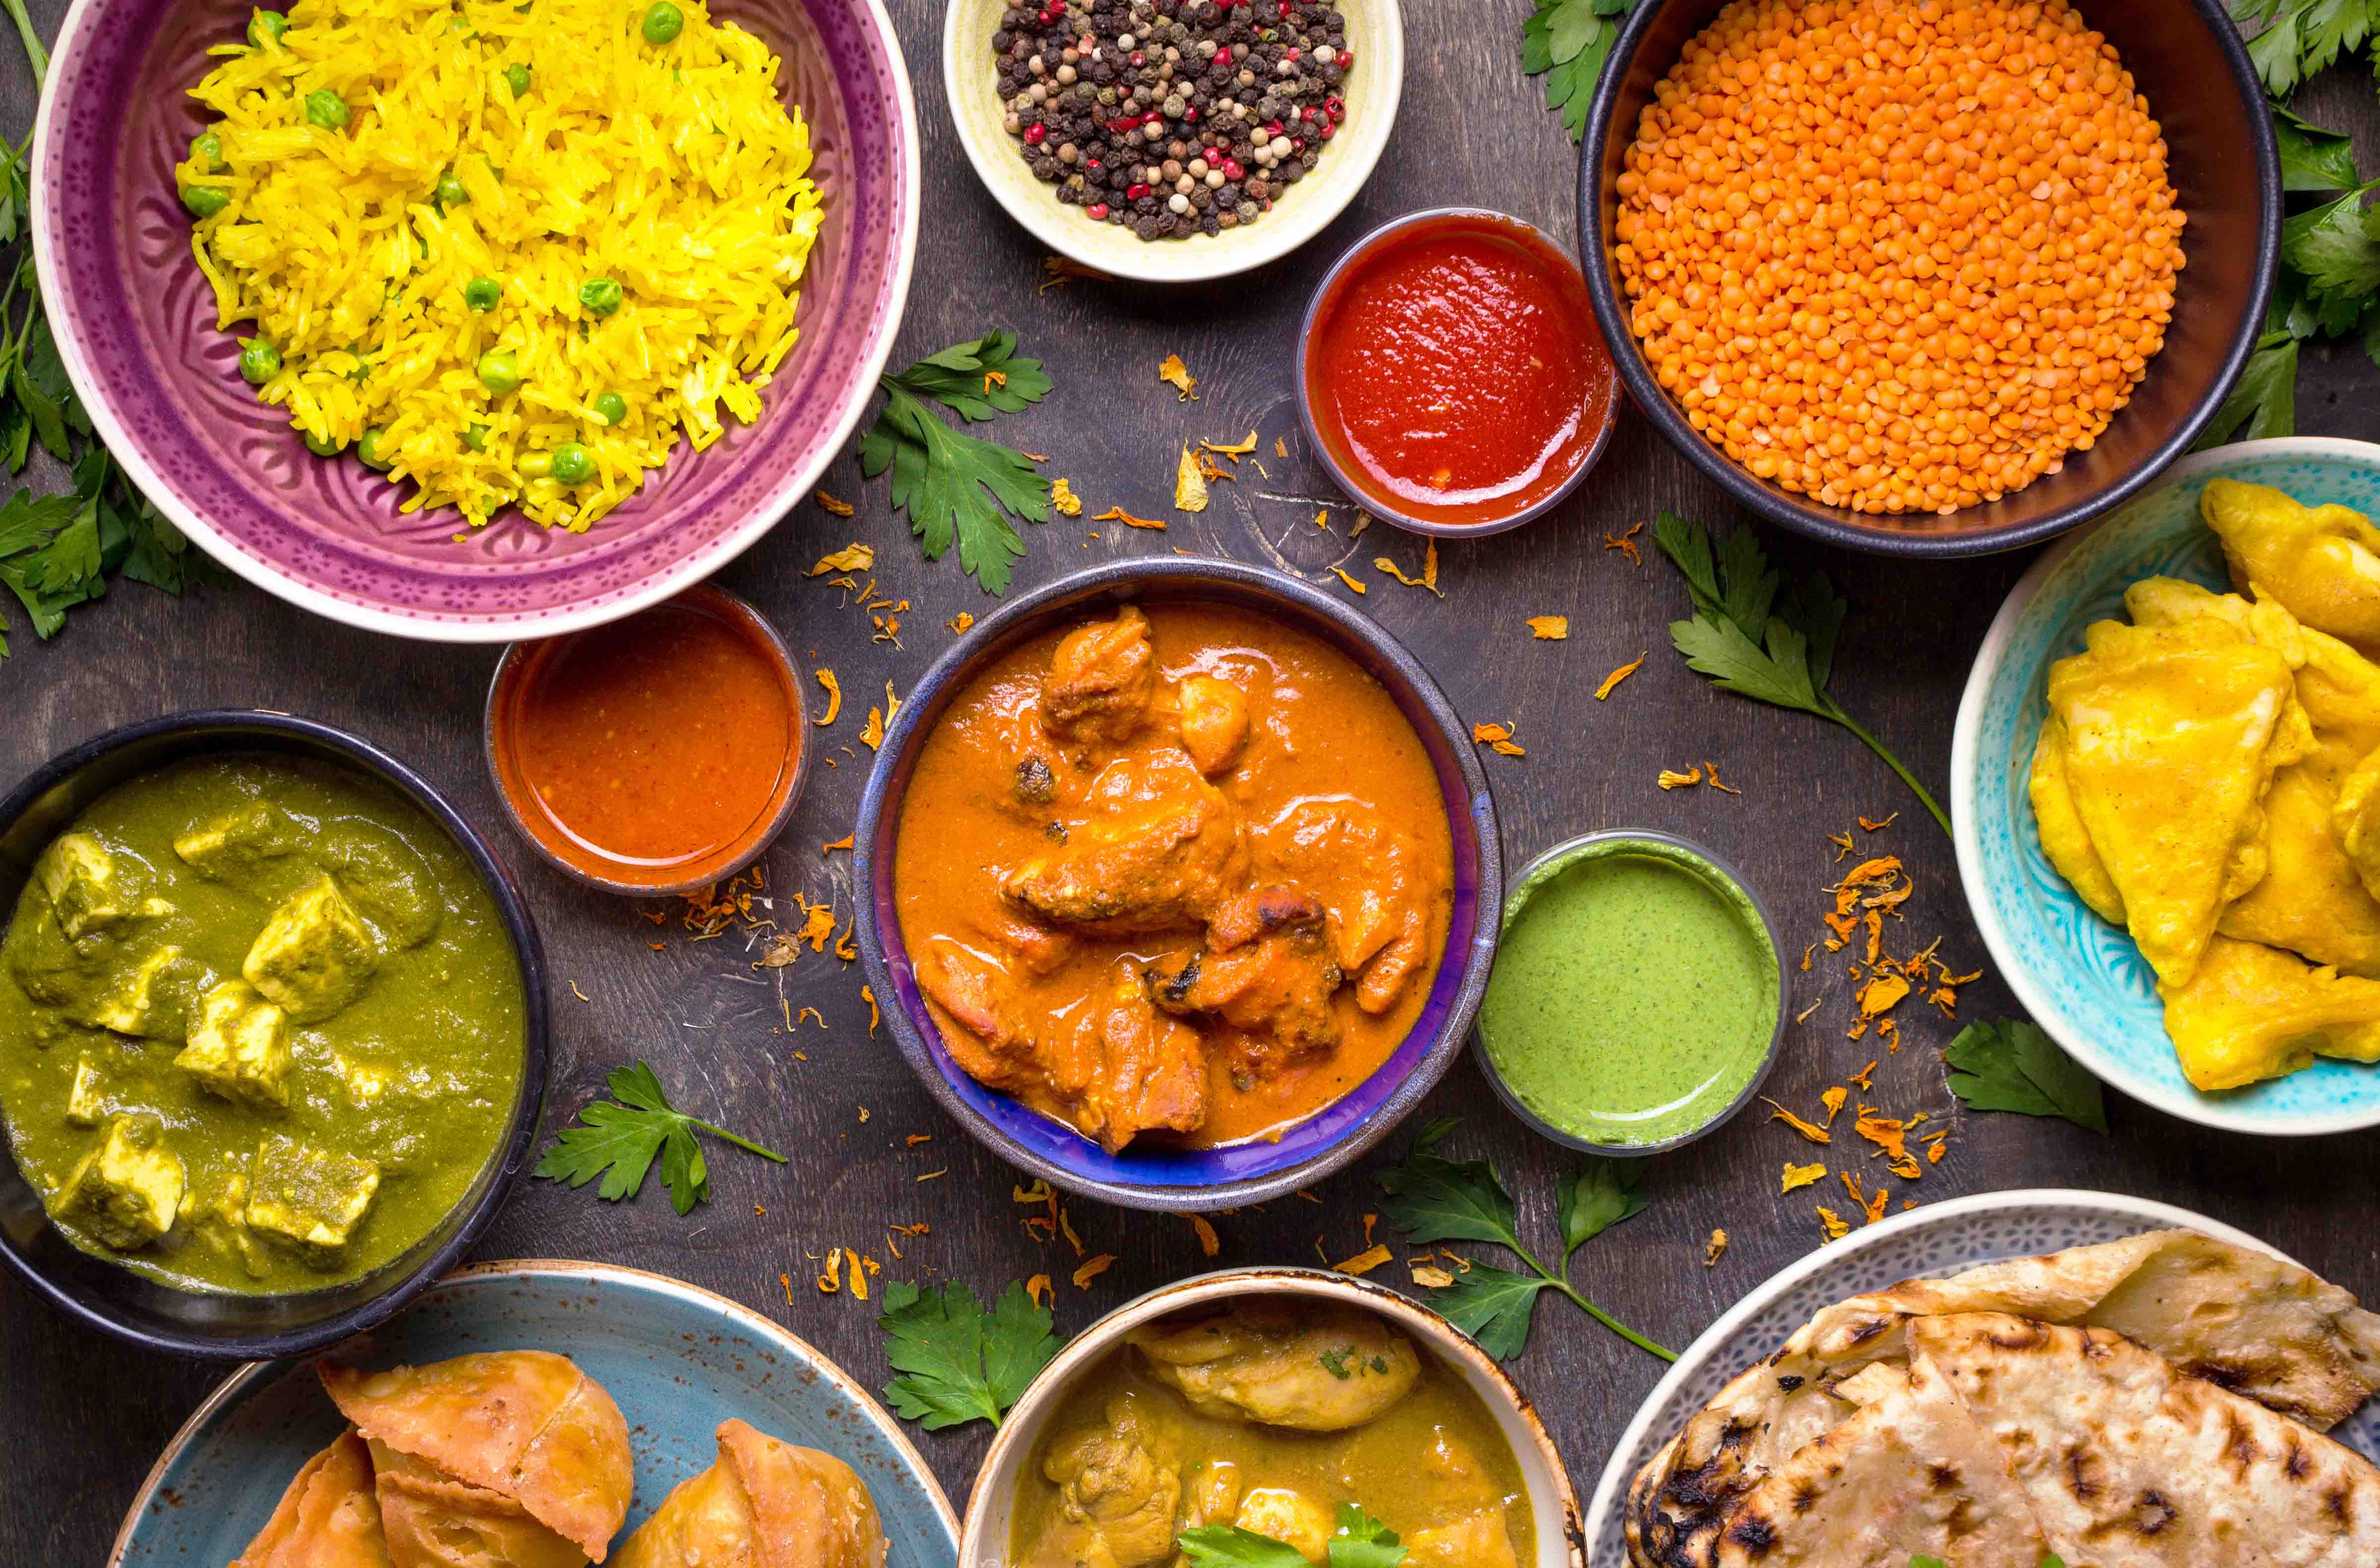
(1455, 373)
(653, 751)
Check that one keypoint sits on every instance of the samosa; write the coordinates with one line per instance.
(2322, 563)
(328, 1518)
(764, 1504)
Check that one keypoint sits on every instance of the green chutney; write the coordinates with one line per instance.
(261, 1025)
(1634, 995)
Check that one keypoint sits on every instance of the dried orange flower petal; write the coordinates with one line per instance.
(1351, 582)
(1814, 1134)
(1611, 682)
(1671, 779)
(1551, 629)
(1714, 1247)
(1189, 484)
(1118, 514)
(1177, 374)
(850, 558)
(1063, 499)
(1365, 1261)
(1801, 1175)
(834, 698)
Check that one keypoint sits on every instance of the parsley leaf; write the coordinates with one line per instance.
(2312, 158)
(954, 487)
(2301, 38)
(619, 1138)
(1228, 1546)
(1566, 42)
(1433, 1198)
(2264, 402)
(2336, 247)
(1759, 639)
(2014, 1065)
(1362, 1541)
(958, 1362)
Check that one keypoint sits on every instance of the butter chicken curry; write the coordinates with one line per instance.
(1184, 873)
(1273, 1417)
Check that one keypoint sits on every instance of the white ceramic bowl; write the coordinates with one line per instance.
(1940, 1238)
(983, 1543)
(2081, 979)
(1375, 32)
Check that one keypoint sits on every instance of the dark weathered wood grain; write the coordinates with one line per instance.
(84, 1416)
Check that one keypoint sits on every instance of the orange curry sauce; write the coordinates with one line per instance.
(1455, 373)
(653, 751)
(1329, 800)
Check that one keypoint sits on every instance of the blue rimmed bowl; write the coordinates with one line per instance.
(2081, 979)
(677, 1359)
(1180, 1180)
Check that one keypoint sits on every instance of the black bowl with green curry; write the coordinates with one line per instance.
(272, 1032)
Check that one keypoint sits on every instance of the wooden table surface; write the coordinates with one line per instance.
(85, 1415)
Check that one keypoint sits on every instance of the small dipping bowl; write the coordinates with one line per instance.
(1424, 373)
(687, 716)
(1638, 998)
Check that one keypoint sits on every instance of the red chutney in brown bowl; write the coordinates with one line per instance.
(1183, 875)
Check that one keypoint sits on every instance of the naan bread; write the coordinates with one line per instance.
(2128, 1463)
(2237, 1317)
(525, 1425)
(1909, 1473)
(328, 1518)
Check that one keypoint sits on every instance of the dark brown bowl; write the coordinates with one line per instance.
(2190, 63)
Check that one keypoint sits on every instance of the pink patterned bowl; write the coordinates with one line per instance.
(134, 323)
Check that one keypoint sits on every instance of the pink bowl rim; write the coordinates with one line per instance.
(433, 626)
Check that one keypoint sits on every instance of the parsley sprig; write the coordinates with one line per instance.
(954, 486)
(1432, 1198)
(1566, 42)
(2014, 1065)
(2300, 38)
(619, 1139)
(959, 1363)
(1360, 1541)
(1759, 638)
(59, 550)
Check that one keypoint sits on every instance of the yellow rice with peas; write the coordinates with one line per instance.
(507, 252)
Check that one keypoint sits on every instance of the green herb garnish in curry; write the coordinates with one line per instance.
(1276, 1424)
(261, 1025)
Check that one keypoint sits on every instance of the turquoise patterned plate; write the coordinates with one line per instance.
(677, 1360)
(2081, 977)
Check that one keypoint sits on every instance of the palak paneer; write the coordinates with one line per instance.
(1182, 872)
(261, 1025)
(1272, 1417)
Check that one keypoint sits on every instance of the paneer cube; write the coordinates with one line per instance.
(138, 1001)
(238, 1045)
(127, 1189)
(235, 847)
(310, 1198)
(78, 878)
(86, 1099)
(222, 1223)
(315, 954)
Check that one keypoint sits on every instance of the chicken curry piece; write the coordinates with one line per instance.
(1270, 1417)
(1183, 874)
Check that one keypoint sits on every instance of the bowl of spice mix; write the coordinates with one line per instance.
(1173, 140)
(1930, 279)
(656, 755)
(1637, 1002)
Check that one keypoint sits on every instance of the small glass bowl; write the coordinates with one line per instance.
(520, 663)
(1685, 855)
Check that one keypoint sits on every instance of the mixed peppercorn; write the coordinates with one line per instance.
(1173, 118)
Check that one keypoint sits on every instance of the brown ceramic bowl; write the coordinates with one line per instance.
(2189, 62)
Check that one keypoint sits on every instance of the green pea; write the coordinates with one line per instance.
(266, 25)
(207, 148)
(371, 450)
(611, 406)
(572, 464)
(516, 78)
(204, 201)
(451, 192)
(500, 371)
(259, 362)
(476, 437)
(457, 24)
(482, 294)
(663, 22)
(599, 297)
(322, 445)
(327, 109)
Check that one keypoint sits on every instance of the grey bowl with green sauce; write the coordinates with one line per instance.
(480, 957)
(1638, 999)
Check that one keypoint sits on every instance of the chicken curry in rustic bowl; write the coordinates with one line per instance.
(1300, 1407)
(1178, 882)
